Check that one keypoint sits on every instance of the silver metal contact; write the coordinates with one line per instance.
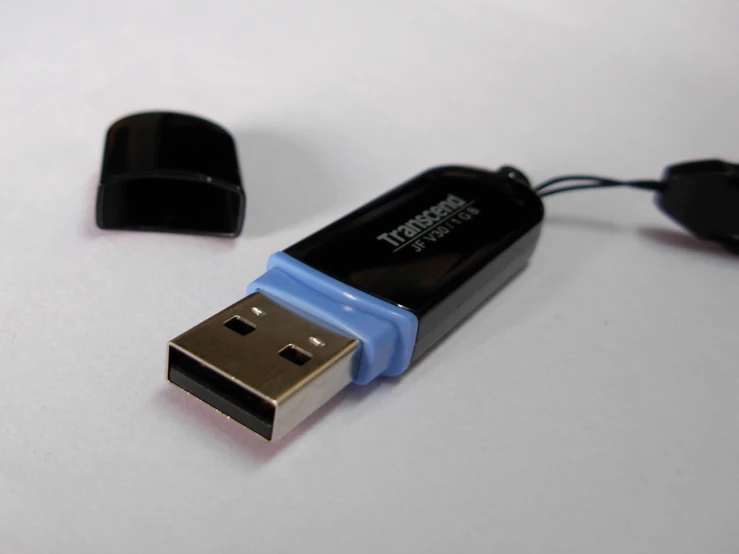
(261, 364)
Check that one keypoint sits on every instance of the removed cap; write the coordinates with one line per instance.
(703, 197)
(170, 172)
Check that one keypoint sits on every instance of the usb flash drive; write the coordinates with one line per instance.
(363, 297)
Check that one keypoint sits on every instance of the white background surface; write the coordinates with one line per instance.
(592, 406)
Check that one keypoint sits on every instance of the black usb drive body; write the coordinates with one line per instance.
(436, 246)
(362, 297)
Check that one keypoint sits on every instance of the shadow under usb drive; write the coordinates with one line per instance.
(184, 406)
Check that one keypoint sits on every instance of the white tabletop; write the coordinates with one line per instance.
(591, 406)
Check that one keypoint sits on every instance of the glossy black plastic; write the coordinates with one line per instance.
(438, 245)
(703, 196)
(170, 172)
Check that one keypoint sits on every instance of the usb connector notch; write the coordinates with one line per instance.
(262, 364)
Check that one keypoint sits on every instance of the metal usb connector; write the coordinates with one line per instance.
(261, 364)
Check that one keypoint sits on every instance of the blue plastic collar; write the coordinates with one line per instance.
(387, 332)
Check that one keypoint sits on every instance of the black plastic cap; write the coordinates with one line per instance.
(173, 173)
(703, 196)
